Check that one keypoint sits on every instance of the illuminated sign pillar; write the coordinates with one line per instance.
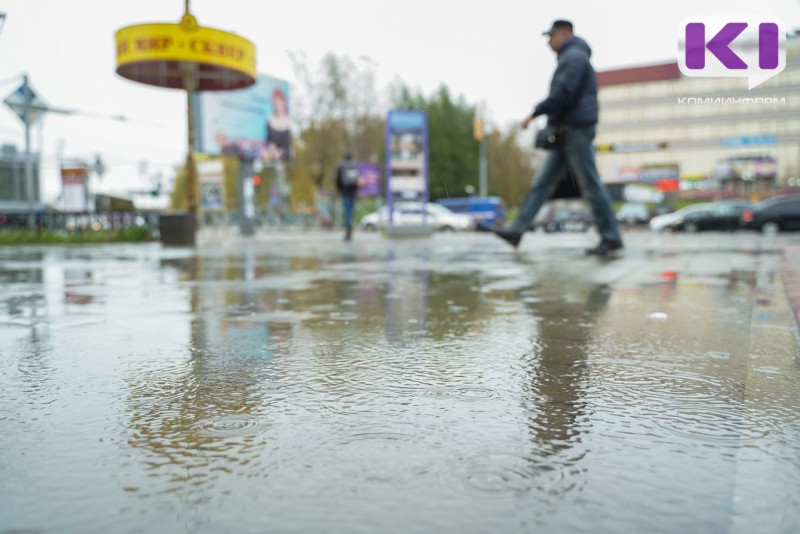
(407, 165)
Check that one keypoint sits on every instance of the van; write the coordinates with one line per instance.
(486, 211)
(633, 213)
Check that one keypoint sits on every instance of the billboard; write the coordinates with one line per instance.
(369, 184)
(211, 176)
(74, 187)
(746, 168)
(407, 155)
(626, 174)
(654, 173)
(252, 123)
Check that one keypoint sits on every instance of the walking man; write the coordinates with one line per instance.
(347, 178)
(571, 108)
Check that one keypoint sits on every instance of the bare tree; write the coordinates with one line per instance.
(336, 108)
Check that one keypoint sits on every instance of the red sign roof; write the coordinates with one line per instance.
(649, 73)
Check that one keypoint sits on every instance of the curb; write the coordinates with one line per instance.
(790, 268)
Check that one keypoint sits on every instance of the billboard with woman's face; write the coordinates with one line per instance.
(252, 123)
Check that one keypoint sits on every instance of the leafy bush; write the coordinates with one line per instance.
(47, 237)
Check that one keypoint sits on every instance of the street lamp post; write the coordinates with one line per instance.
(480, 136)
(26, 118)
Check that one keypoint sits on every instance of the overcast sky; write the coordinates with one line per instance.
(485, 50)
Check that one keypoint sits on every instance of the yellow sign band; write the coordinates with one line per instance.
(162, 43)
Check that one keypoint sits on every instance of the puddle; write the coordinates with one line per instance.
(437, 385)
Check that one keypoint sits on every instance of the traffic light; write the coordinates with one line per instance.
(256, 180)
(477, 127)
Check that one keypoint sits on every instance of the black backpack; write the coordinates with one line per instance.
(350, 174)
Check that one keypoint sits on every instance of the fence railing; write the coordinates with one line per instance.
(81, 222)
(274, 218)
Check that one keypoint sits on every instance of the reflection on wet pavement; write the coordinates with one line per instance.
(297, 384)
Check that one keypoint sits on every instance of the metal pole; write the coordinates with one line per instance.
(191, 174)
(190, 84)
(246, 198)
(484, 170)
(480, 134)
(191, 171)
(28, 162)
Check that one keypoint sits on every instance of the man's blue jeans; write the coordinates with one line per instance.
(348, 201)
(577, 155)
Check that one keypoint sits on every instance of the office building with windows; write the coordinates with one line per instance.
(660, 128)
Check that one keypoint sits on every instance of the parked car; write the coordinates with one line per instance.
(633, 213)
(721, 216)
(778, 214)
(661, 223)
(412, 214)
(662, 209)
(14, 220)
(565, 218)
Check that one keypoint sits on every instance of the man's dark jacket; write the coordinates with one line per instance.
(573, 90)
(572, 100)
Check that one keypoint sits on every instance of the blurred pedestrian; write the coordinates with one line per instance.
(347, 180)
(572, 110)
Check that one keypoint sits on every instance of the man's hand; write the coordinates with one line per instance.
(525, 122)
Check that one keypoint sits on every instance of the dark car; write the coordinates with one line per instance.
(662, 209)
(723, 215)
(564, 219)
(779, 214)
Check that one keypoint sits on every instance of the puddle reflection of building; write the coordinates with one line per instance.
(18, 305)
(36, 282)
(75, 282)
(36, 370)
(558, 374)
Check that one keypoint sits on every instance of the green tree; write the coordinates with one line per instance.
(452, 150)
(511, 166)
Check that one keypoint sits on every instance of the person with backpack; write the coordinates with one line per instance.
(347, 178)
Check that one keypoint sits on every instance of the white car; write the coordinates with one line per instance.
(661, 223)
(411, 214)
(633, 213)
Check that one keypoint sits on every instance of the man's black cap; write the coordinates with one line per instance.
(557, 25)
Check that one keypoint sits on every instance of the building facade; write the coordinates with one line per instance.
(661, 129)
(14, 197)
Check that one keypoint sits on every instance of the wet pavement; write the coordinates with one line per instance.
(296, 383)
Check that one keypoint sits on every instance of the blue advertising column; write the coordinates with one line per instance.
(407, 170)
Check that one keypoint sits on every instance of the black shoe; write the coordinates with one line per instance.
(512, 238)
(604, 248)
